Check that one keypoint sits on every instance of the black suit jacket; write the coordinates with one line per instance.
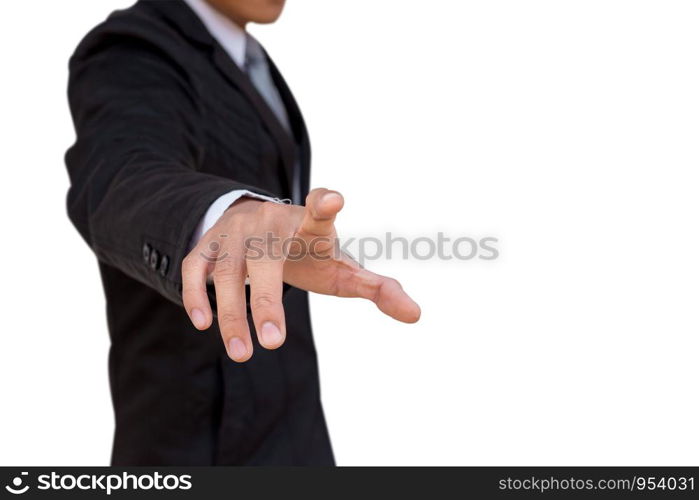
(165, 123)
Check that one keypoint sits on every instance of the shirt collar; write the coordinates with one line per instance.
(228, 34)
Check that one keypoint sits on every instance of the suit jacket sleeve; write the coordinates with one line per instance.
(136, 194)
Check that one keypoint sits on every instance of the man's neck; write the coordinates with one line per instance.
(230, 34)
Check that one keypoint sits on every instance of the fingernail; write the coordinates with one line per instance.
(271, 334)
(198, 318)
(237, 348)
(330, 196)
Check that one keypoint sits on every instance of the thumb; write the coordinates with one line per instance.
(322, 206)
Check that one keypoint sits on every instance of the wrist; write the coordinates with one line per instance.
(243, 204)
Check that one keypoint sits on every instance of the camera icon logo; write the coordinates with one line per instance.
(16, 488)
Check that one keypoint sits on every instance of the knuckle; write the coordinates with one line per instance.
(226, 264)
(262, 300)
(392, 282)
(196, 286)
(374, 288)
(269, 210)
(192, 290)
(227, 272)
(229, 321)
(236, 222)
(223, 280)
(312, 195)
(188, 262)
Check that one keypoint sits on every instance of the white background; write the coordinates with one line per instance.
(568, 129)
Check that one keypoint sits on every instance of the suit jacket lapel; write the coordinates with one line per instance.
(297, 124)
(285, 143)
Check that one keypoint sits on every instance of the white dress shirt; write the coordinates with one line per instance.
(232, 38)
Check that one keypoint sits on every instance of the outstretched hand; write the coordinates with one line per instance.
(270, 244)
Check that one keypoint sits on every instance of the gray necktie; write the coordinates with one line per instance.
(257, 68)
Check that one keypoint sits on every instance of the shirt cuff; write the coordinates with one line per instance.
(216, 209)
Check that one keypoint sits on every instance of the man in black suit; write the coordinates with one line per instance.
(187, 140)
